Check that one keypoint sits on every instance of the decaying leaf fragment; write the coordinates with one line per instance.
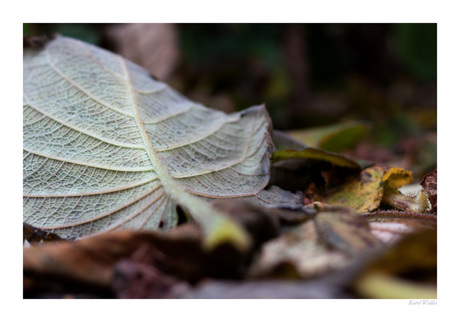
(430, 186)
(362, 194)
(395, 178)
(298, 254)
(328, 242)
(414, 203)
(296, 167)
(32, 234)
(107, 147)
(375, 185)
(136, 277)
(130, 261)
(344, 230)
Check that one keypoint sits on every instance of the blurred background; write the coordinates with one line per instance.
(374, 84)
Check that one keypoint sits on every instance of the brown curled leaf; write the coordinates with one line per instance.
(137, 277)
(36, 235)
(179, 254)
(430, 185)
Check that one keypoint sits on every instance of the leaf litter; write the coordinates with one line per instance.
(324, 226)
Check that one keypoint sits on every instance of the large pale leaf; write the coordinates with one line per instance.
(107, 147)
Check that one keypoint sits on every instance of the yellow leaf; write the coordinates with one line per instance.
(362, 194)
(397, 177)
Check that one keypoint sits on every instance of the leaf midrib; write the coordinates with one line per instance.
(199, 209)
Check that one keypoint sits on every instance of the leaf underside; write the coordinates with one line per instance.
(107, 147)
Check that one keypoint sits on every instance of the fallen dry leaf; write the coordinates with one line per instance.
(375, 185)
(137, 277)
(397, 177)
(107, 147)
(36, 235)
(430, 185)
(328, 242)
(414, 203)
(344, 230)
(298, 253)
(362, 194)
(178, 253)
(294, 169)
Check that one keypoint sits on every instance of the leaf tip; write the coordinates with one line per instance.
(226, 231)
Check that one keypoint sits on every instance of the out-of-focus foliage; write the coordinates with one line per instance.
(415, 44)
(407, 270)
(270, 62)
(334, 138)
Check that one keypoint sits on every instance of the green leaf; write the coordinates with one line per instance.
(334, 138)
(316, 154)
